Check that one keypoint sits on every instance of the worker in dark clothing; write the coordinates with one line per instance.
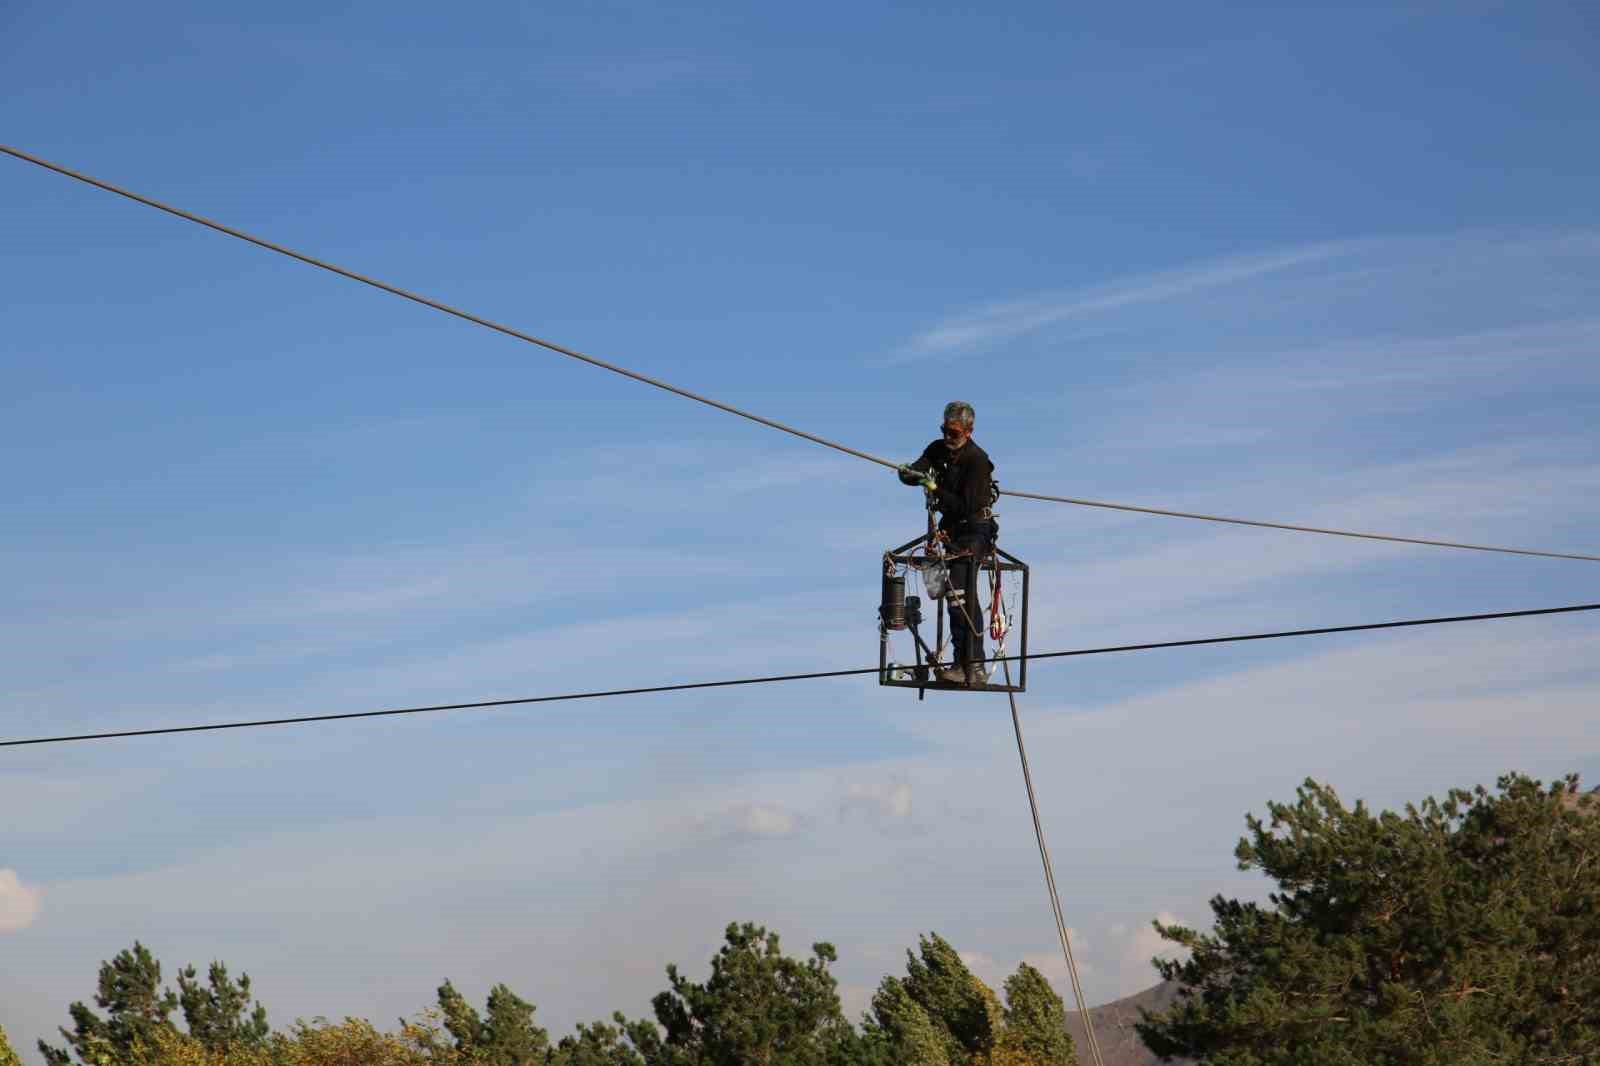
(963, 488)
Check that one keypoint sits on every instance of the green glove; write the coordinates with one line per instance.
(920, 478)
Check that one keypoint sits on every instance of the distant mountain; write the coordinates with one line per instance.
(1113, 1026)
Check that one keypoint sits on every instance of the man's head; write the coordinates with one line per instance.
(958, 418)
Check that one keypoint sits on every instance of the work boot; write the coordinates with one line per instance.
(976, 675)
(951, 675)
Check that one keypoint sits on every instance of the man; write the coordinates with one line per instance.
(963, 480)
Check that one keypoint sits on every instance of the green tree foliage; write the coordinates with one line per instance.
(942, 1014)
(352, 1042)
(460, 1020)
(506, 1036)
(966, 1011)
(355, 1042)
(137, 1013)
(758, 1008)
(1459, 932)
(903, 1028)
(1036, 1022)
(218, 1013)
(599, 1044)
(8, 1057)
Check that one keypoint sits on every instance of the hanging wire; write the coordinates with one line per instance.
(1050, 882)
(1044, 853)
(729, 408)
(772, 679)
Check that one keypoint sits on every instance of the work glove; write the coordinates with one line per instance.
(912, 476)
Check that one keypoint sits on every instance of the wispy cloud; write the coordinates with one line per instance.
(1003, 321)
(889, 800)
(762, 820)
(1391, 289)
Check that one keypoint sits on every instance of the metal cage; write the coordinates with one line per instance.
(898, 612)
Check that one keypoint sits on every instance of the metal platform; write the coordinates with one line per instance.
(902, 560)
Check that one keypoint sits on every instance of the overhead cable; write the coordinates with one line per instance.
(774, 678)
(1295, 528)
(719, 405)
(428, 301)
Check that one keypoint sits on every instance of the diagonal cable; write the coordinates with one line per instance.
(776, 678)
(573, 353)
(428, 301)
(1296, 528)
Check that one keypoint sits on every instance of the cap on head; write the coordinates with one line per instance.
(959, 411)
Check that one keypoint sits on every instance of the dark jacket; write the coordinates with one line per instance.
(966, 486)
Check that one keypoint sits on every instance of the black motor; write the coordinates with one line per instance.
(893, 608)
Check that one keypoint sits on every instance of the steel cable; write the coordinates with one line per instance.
(1297, 529)
(428, 301)
(1054, 892)
(1090, 1036)
(771, 679)
(719, 405)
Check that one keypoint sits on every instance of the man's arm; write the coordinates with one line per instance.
(922, 465)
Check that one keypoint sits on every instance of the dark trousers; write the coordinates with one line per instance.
(966, 637)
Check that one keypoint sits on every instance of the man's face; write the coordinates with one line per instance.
(955, 435)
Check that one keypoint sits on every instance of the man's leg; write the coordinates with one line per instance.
(960, 631)
(966, 622)
(974, 630)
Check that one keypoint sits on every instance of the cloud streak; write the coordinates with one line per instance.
(1005, 321)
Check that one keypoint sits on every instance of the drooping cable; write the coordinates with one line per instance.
(719, 405)
(427, 301)
(1296, 528)
(975, 633)
(1090, 1036)
(215, 726)
(1062, 932)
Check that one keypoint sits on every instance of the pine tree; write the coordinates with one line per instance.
(962, 1007)
(215, 1012)
(507, 1037)
(903, 1026)
(1036, 1021)
(1462, 931)
(460, 1020)
(597, 1044)
(758, 1008)
(138, 1009)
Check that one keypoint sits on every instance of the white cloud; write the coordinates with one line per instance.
(1310, 314)
(891, 800)
(760, 820)
(1053, 965)
(1110, 967)
(1049, 961)
(19, 903)
(1138, 946)
(1003, 321)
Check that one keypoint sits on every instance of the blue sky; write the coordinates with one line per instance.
(1326, 266)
